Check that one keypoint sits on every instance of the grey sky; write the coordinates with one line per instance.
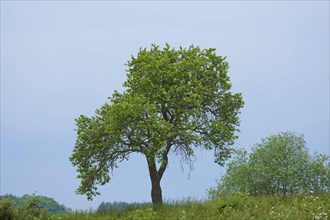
(62, 59)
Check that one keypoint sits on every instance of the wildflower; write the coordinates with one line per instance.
(272, 211)
(321, 216)
(183, 214)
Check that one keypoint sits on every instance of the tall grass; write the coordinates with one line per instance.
(240, 206)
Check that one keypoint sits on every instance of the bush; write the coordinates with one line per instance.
(7, 211)
(31, 209)
(279, 165)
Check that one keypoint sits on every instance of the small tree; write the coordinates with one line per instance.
(175, 100)
(279, 165)
(30, 209)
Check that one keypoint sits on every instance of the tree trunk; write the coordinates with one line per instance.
(156, 175)
(156, 191)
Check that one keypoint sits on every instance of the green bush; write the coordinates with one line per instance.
(7, 211)
(31, 209)
(279, 165)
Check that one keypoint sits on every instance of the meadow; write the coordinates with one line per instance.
(275, 181)
(240, 206)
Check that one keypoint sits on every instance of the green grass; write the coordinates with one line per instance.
(234, 207)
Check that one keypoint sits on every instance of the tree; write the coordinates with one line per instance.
(279, 165)
(175, 101)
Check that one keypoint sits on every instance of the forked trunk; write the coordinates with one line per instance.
(156, 175)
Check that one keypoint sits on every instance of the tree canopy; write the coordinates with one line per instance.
(279, 165)
(175, 101)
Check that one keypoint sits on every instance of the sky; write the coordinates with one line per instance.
(61, 59)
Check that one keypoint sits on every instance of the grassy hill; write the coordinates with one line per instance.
(240, 206)
(234, 207)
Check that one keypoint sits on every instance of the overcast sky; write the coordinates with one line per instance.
(62, 59)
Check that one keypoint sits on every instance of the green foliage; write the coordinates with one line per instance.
(31, 210)
(175, 101)
(17, 201)
(33, 206)
(7, 211)
(279, 165)
(238, 206)
(52, 206)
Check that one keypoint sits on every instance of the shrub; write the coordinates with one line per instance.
(31, 209)
(279, 165)
(7, 211)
